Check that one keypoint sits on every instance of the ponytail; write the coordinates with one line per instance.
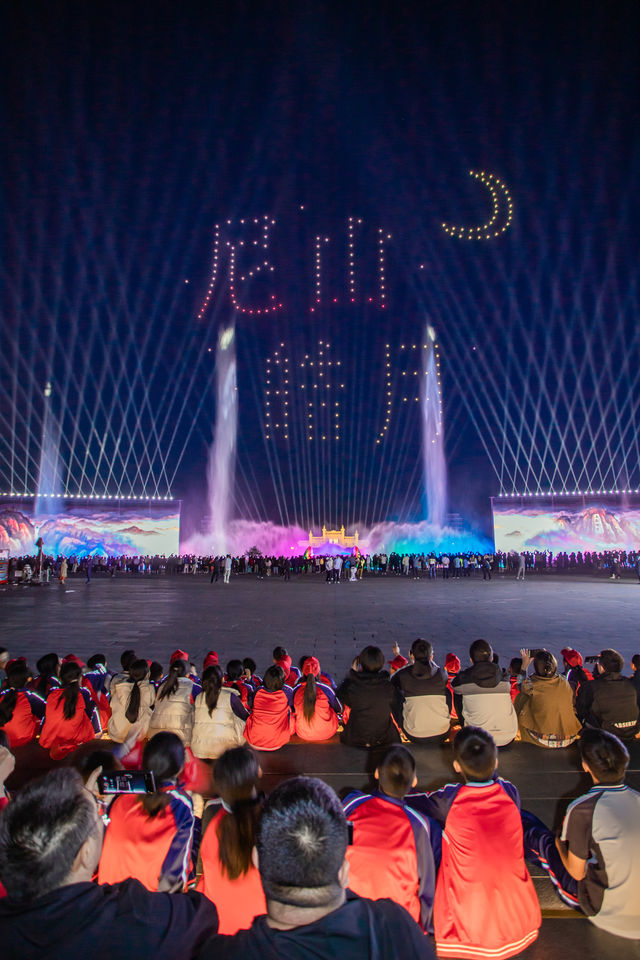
(211, 686)
(177, 669)
(310, 697)
(164, 755)
(70, 674)
(236, 777)
(8, 703)
(137, 673)
(17, 676)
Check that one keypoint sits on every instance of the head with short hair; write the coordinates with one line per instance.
(98, 659)
(302, 841)
(371, 659)
(545, 664)
(42, 831)
(515, 666)
(480, 650)
(249, 664)
(156, 671)
(273, 678)
(611, 661)
(234, 670)
(126, 659)
(47, 665)
(475, 754)
(605, 756)
(635, 661)
(279, 653)
(421, 650)
(396, 772)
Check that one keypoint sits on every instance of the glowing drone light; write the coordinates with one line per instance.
(499, 221)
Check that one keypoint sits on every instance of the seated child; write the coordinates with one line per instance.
(485, 903)
(316, 705)
(282, 659)
(229, 877)
(370, 696)
(391, 852)
(595, 862)
(271, 723)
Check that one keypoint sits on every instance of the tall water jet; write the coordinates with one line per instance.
(49, 471)
(222, 454)
(434, 464)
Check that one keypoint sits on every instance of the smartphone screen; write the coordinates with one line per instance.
(127, 781)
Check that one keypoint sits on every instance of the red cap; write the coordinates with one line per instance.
(285, 663)
(211, 660)
(398, 662)
(71, 658)
(15, 662)
(452, 663)
(573, 658)
(179, 655)
(311, 665)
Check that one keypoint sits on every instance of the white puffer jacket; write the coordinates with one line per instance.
(118, 727)
(214, 734)
(175, 712)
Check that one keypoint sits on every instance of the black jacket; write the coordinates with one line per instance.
(359, 929)
(123, 921)
(370, 697)
(609, 701)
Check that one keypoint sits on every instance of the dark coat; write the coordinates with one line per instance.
(370, 697)
(610, 702)
(122, 920)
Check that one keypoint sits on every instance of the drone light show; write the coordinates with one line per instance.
(318, 296)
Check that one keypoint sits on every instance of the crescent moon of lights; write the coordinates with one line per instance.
(498, 223)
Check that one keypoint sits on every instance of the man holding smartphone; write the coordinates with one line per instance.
(50, 843)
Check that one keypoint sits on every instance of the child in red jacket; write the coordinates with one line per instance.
(149, 837)
(392, 850)
(485, 903)
(21, 710)
(271, 723)
(316, 705)
(71, 716)
(229, 877)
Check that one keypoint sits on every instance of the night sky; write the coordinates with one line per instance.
(132, 130)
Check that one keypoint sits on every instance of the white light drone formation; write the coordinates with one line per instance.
(499, 221)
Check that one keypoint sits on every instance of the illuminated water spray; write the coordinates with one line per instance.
(222, 455)
(434, 465)
(49, 472)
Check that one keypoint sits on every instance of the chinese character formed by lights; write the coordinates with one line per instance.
(408, 368)
(214, 272)
(313, 393)
(501, 216)
(256, 270)
(353, 290)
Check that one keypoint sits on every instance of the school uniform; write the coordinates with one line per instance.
(118, 725)
(600, 827)
(175, 712)
(154, 850)
(324, 723)
(61, 736)
(270, 724)
(27, 717)
(237, 901)
(391, 854)
(485, 903)
(222, 729)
